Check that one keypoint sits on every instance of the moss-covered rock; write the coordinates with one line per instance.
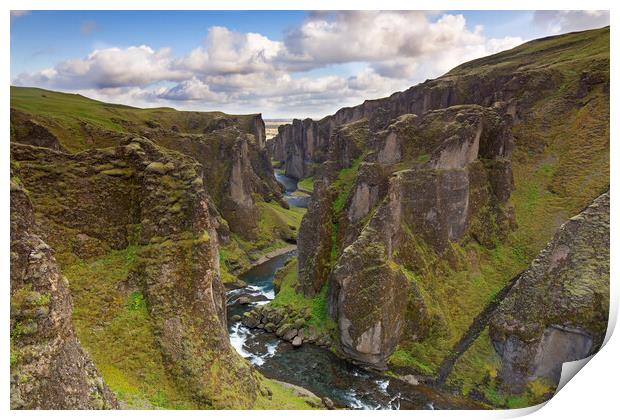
(558, 310)
(49, 368)
(161, 211)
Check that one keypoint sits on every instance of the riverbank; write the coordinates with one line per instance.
(273, 254)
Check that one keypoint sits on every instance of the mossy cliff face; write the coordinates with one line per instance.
(142, 197)
(49, 368)
(430, 204)
(231, 148)
(444, 193)
(557, 312)
(237, 175)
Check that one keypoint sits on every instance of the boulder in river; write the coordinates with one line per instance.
(250, 320)
(328, 403)
(290, 334)
(244, 300)
(283, 329)
(297, 341)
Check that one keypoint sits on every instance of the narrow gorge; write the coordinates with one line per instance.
(444, 247)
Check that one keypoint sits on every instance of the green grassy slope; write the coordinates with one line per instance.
(81, 123)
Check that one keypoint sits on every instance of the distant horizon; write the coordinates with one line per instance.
(281, 64)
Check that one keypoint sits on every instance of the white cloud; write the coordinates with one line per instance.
(228, 52)
(191, 90)
(248, 72)
(106, 68)
(396, 43)
(560, 21)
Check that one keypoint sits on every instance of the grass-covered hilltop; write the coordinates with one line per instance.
(457, 237)
(429, 205)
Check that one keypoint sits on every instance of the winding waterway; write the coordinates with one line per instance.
(313, 367)
(291, 194)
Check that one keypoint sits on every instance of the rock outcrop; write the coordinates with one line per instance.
(49, 368)
(444, 193)
(142, 195)
(558, 310)
(27, 131)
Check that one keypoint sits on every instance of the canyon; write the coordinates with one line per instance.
(450, 245)
(425, 198)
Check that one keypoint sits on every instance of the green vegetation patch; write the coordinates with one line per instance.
(342, 185)
(288, 296)
(306, 184)
(114, 326)
(284, 398)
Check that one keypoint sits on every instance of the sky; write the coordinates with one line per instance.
(282, 64)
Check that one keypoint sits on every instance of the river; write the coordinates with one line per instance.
(291, 194)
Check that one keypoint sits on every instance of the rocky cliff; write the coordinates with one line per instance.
(425, 182)
(558, 310)
(49, 368)
(428, 202)
(515, 86)
(231, 148)
(148, 204)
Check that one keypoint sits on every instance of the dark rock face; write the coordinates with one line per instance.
(369, 188)
(49, 368)
(302, 147)
(25, 130)
(558, 310)
(314, 241)
(238, 204)
(258, 129)
(422, 180)
(140, 193)
(368, 297)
